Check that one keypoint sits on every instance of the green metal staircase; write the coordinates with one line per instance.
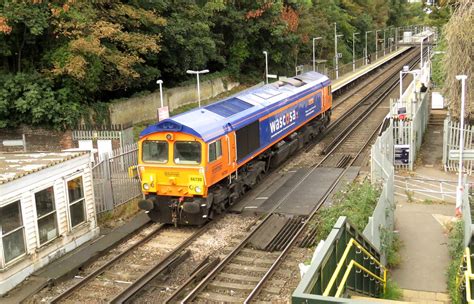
(347, 263)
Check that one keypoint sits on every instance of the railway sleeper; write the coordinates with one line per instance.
(213, 297)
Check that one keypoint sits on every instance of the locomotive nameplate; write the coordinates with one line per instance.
(170, 174)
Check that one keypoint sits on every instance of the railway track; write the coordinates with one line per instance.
(120, 280)
(119, 277)
(240, 276)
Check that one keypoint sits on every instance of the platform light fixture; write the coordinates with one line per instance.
(198, 87)
(266, 66)
(353, 51)
(335, 49)
(376, 45)
(314, 58)
(406, 70)
(366, 50)
(460, 188)
(160, 83)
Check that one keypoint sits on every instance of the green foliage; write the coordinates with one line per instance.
(79, 53)
(356, 201)
(391, 245)
(392, 291)
(456, 250)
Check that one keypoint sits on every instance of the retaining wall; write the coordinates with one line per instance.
(143, 108)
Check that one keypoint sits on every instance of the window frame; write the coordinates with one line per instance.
(187, 141)
(55, 211)
(69, 203)
(154, 161)
(209, 149)
(3, 263)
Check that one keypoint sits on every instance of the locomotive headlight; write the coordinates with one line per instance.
(146, 186)
(197, 189)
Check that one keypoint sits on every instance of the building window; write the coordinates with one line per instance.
(215, 150)
(12, 231)
(76, 201)
(46, 213)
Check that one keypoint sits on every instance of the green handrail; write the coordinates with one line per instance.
(353, 263)
(351, 243)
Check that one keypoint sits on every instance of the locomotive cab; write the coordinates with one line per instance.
(171, 173)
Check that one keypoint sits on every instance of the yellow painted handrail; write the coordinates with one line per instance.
(468, 275)
(351, 243)
(353, 263)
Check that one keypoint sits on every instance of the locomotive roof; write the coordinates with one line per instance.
(217, 119)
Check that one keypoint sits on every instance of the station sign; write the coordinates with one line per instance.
(402, 155)
(163, 113)
(466, 155)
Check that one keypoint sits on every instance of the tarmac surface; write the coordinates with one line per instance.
(423, 227)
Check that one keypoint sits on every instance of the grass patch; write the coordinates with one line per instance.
(392, 291)
(356, 201)
(391, 245)
(456, 250)
(120, 214)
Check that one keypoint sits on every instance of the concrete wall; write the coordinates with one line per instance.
(142, 108)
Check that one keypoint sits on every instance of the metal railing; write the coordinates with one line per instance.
(330, 260)
(451, 142)
(112, 185)
(373, 264)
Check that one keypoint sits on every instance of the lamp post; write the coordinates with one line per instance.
(405, 71)
(366, 50)
(376, 47)
(353, 51)
(314, 58)
(421, 52)
(335, 49)
(384, 42)
(160, 82)
(266, 66)
(198, 87)
(460, 188)
(396, 38)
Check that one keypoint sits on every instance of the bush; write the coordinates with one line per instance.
(356, 201)
(456, 250)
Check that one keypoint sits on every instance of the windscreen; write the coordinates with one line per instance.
(155, 151)
(187, 152)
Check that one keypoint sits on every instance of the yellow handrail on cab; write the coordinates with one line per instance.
(353, 263)
(351, 243)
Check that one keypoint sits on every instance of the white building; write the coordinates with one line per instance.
(46, 210)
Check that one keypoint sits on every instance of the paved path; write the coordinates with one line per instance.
(425, 256)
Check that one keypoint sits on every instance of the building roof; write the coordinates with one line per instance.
(217, 119)
(16, 165)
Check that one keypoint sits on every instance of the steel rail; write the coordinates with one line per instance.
(101, 269)
(287, 248)
(201, 285)
(393, 81)
(168, 261)
(285, 251)
(358, 104)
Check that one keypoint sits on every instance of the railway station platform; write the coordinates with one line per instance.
(297, 193)
(348, 78)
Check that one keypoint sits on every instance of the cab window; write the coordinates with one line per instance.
(187, 153)
(155, 151)
(215, 150)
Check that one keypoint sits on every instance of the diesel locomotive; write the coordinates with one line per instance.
(196, 164)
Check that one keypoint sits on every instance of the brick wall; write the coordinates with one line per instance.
(37, 139)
